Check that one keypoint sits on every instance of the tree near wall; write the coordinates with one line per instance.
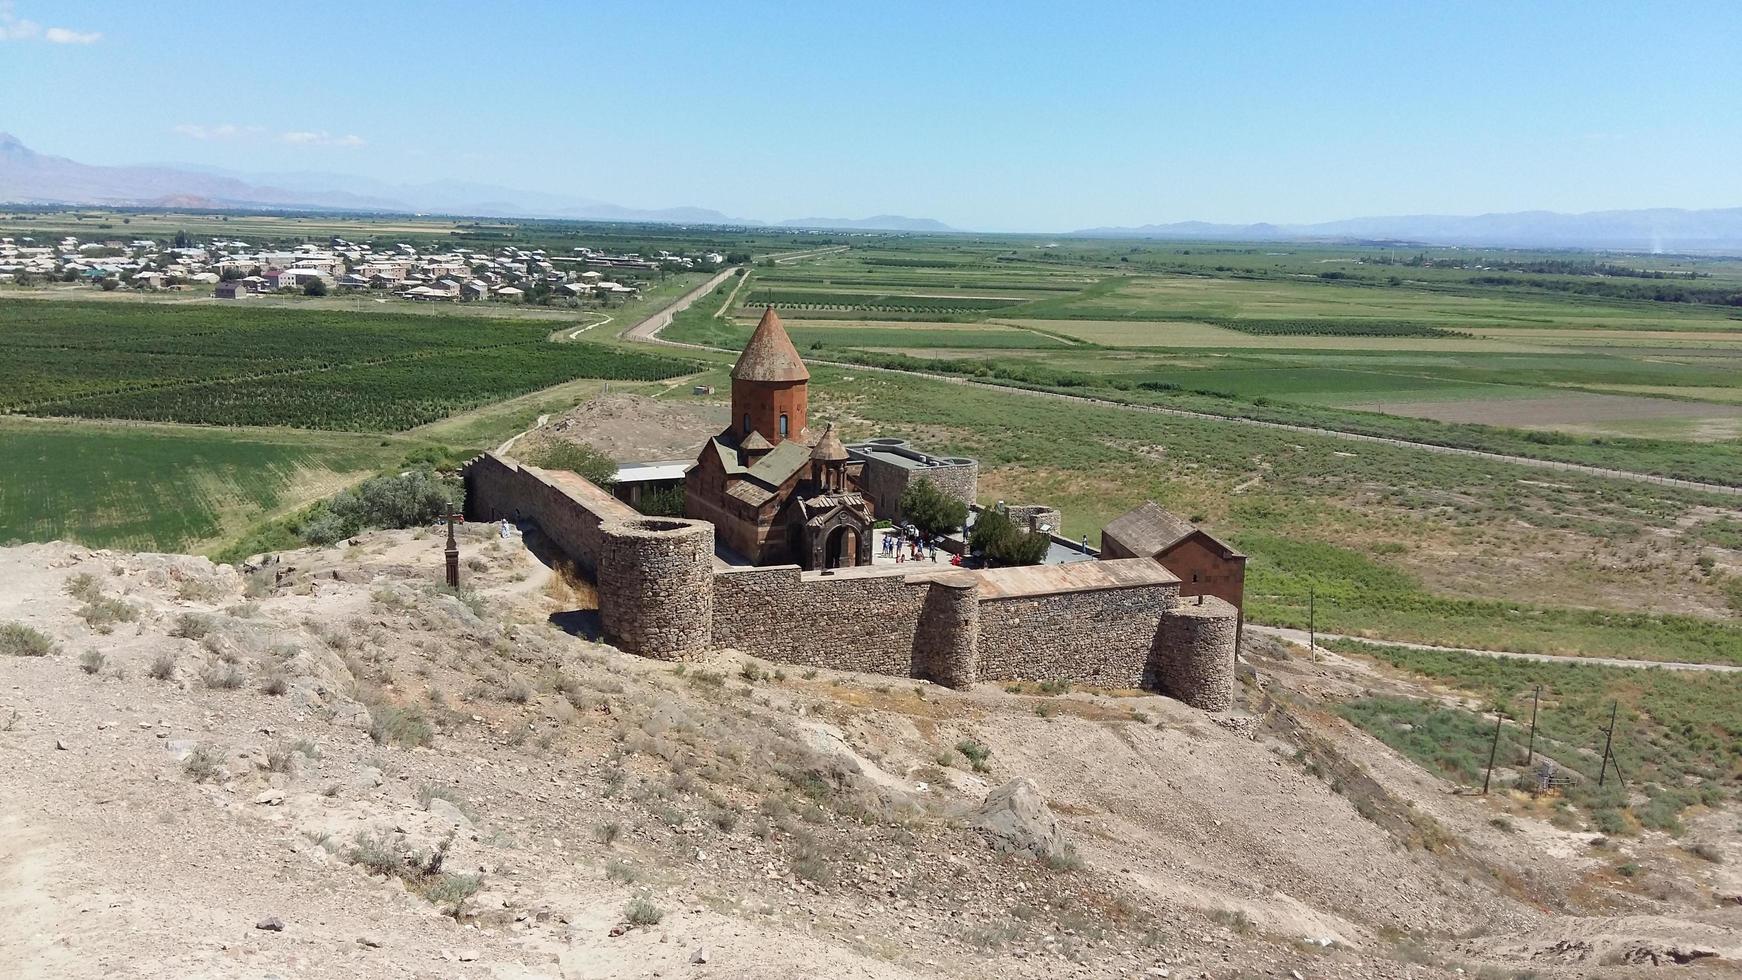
(576, 457)
(997, 537)
(930, 510)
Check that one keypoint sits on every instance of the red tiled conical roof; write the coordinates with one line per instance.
(770, 356)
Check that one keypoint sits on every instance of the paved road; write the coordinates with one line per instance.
(649, 328)
(1300, 638)
(652, 336)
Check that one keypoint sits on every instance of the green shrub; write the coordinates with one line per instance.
(404, 500)
(19, 640)
(641, 912)
(576, 457)
(395, 725)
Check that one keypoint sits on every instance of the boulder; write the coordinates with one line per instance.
(1015, 818)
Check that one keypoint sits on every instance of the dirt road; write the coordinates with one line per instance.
(1300, 638)
(649, 328)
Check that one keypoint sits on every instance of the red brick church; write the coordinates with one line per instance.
(776, 492)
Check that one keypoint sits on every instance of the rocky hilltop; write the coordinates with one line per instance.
(324, 764)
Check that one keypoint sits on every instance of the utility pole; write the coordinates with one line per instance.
(1493, 750)
(1535, 698)
(1608, 742)
(453, 551)
(1312, 622)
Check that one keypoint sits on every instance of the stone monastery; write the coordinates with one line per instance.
(774, 558)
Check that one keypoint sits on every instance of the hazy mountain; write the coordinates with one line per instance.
(28, 177)
(879, 222)
(1655, 229)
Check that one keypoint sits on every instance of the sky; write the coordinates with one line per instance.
(1010, 116)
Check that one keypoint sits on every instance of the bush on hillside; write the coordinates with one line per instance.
(406, 500)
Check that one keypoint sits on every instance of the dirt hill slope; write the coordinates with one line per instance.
(329, 766)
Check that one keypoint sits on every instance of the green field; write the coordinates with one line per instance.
(165, 487)
(238, 365)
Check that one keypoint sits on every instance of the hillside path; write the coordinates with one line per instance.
(651, 335)
(1300, 638)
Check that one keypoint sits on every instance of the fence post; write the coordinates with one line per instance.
(1536, 698)
(1608, 741)
(1493, 750)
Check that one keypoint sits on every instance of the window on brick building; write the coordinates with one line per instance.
(783, 425)
(746, 421)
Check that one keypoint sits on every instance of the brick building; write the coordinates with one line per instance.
(1204, 564)
(776, 492)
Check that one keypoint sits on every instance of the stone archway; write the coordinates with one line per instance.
(842, 548)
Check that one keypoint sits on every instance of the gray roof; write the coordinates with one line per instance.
(1149, 530)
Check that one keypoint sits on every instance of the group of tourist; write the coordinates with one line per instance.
(905, 546)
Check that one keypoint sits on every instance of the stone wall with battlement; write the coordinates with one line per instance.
(1116, 623)
(567, 508)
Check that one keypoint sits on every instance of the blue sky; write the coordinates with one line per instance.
(1009, 116)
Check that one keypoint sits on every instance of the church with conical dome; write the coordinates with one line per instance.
(777, 490)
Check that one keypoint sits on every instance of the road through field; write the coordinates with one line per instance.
(648, 329)
(1301, 638)
(651, 335)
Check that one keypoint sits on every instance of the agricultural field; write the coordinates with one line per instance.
(134, 486)
(359, 372)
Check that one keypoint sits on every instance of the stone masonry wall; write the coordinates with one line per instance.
(1100, 637)
(847, 622)
(656, 594)
(567, 509)
(1194, 653)
(884, 483)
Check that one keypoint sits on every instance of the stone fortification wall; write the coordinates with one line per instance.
(567, 508)
(1101, 637)
(884, 481)
(1034, 516)
(656, 588)
(1194, 653)
(662, 593)
(865, 621)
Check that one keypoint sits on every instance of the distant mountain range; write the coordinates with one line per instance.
(29, 177)
(1654, 229)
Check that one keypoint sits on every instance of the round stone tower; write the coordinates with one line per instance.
(656, 586)
(949, 626)
(1193, 659)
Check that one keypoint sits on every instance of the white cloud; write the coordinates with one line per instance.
(322, 138)
(61, 35)
(16, 28)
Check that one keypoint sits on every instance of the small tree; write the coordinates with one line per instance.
(576, 457)
(997, 537)
(315, 287)
(929, 509)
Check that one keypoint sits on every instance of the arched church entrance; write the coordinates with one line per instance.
(843, 547)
